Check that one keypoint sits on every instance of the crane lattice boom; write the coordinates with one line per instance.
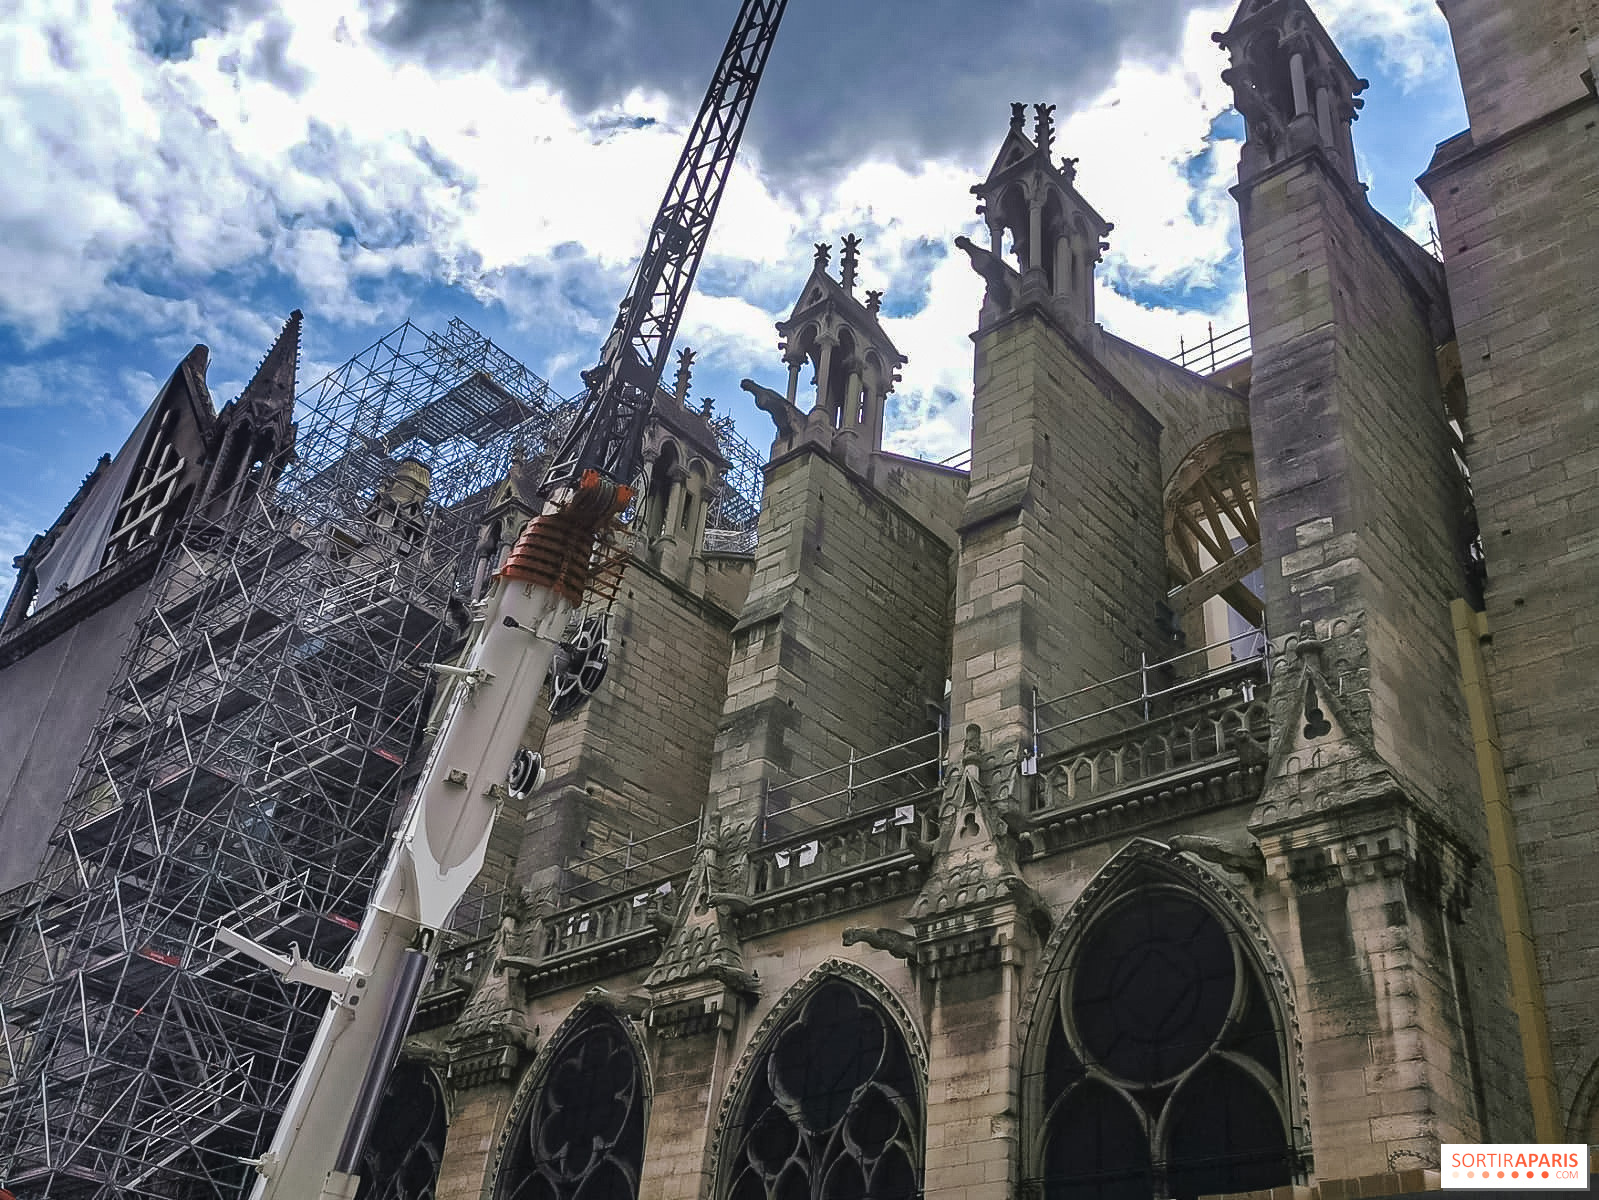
(608, 434)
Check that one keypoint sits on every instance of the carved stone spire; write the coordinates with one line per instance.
(1018, 116)
(848, 261)
(257, 429)
(685, 373)
(1044, 128)
(270, 392)
(824, 252)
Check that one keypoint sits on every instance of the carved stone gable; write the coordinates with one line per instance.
(974, 862)
(703, 944)
(1321, 754)
(492, 1037)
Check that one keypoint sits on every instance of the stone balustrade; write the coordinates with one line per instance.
(1209, 754)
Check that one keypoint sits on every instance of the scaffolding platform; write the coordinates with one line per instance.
(249, 766)
(247, 772)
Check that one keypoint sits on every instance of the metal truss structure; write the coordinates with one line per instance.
(245, 771)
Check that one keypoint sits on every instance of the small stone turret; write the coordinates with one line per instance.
(856, 364)
(1291, 84)
(1055, 234)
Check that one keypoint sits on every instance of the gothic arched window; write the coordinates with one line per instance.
(1162, 1073)
(582, 1137)
(401, 1158)
(833, 1110)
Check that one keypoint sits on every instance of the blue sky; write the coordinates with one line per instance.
(181, 171)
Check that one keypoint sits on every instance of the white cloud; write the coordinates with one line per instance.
(290, 140)
(1408, 38)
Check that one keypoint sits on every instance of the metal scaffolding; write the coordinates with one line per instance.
(245, 771)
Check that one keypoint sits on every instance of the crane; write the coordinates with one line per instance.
(477, 759)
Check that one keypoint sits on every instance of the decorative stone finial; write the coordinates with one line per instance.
(1308, 646)
(685, 373)
(874, 302)
(824, 251)
(1044, 127)
(1018, 115)
(1068, 168)
(848, 261)
(707, 407)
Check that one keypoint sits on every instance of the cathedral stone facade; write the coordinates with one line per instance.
(1195, 796)
(1191, 798)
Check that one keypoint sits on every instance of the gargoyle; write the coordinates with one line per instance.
(513, 1030)
(1250, 752)
(419, 1051)
(996, 272)
(659, 919)
(1262, 120)
(736, 904)
(736, 978)
(889, 941)
(627, 1004)
(784, 415)
(1242, 856)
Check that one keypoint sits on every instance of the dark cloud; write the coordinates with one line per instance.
(169, 28)
(271, 61)
(846, 78)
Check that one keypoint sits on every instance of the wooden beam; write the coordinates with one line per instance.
(1225, 579)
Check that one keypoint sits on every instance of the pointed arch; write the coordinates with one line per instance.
(401, 1158)
(786, 1121)
(1161, 988)
(668, 459)
(579, 1115)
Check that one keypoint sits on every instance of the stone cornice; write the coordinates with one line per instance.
(1220, 783)
(99, 591)
(859, 887)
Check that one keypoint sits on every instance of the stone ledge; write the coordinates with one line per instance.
(1365, 1187)
(1220, 783)
(860, 886)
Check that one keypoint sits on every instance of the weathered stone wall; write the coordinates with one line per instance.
(636, 758)
(1360, 512)
(49, 702)
(1520, 61)
(1062, 565)
(1521, 250)
(1359, 503)
(931, 493)
(1188, 407)
(844, 639)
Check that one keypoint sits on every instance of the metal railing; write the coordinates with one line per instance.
(1151, 698)
(635, 861)
(894, 774)
(1218, 350)
(864, 838)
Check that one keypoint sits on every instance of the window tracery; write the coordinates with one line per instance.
(148, 507)
(833, 1109)
(1162, 1072)
(582, 1137)
(401, 1158)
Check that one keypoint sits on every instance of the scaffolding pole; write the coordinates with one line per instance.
(245, 771)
